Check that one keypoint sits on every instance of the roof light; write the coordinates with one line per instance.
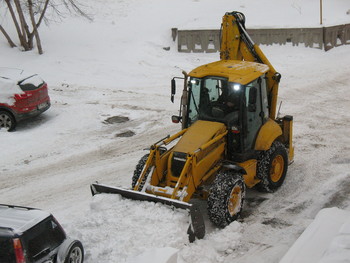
(236, 87)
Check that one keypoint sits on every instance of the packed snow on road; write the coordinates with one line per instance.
(109, 83)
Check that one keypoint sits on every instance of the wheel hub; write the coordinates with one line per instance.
(277, 168)
(5, 121)
(75, 256)
(234, 203)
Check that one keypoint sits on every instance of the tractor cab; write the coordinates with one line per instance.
(231, 92)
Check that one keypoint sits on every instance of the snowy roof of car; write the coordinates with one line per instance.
(14, 74)
(20, 219)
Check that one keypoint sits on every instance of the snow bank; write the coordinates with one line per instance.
(156, 255)
(119, 230)
(325, 240)
(115, 229)
(214, 247)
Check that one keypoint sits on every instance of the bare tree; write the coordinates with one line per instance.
(34, 11)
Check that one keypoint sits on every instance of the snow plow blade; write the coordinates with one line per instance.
(196, 228)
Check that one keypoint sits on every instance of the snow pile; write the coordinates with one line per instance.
(116, 228)
(130, 231)
(325, 240)
(8, 89)
(215, 246)
(8, 84)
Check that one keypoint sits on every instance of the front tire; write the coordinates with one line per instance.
(226, 196)
(272, 168)
(138, 170)
(75, 253)
(7, 121)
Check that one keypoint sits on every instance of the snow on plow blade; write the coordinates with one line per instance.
(196, 228)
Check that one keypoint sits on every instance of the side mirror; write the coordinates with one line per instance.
(252, 99)
(176, 119)
(173, 90)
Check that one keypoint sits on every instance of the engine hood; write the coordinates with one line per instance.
(198, 134)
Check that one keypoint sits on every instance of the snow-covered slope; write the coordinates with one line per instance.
(116, 66)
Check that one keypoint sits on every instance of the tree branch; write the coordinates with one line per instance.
(24, 25)
(35, 29)
(43, 13)
(7, 37)
(14, 19)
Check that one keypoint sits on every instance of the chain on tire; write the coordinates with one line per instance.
(137, 172)
(226, 196)
(272, 168)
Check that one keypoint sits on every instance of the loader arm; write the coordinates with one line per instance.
(236, 44)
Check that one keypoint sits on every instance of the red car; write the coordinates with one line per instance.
(22, 96)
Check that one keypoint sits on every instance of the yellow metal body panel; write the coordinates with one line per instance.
(204, 144)
(268, 133)
(242, 72)
(250, 178)
(287, 127)
(230, 39)
(198, 134)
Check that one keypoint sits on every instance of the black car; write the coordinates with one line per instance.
(29, 235)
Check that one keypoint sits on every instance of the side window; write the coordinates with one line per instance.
(265, 104)
(194, 101)
(47, 234)
(253, 110)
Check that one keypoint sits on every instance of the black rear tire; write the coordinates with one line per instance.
(75, 253)
(7, 121)
(226, 196)
(272, 168)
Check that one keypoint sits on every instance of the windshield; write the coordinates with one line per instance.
(31, 83)
(214, 99)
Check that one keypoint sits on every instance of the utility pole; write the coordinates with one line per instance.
(321, 12)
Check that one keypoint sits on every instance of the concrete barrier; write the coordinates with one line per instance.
(199, 41)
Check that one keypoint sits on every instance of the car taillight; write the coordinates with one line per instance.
(19, 253)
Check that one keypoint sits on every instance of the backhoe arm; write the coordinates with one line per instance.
(236, 44)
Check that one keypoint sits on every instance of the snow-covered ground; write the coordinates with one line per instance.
(115, 65)
(325, 240)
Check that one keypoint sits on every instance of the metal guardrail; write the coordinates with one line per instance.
(200, 41)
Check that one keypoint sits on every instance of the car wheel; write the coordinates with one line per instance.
(76, 253)
(7, 121)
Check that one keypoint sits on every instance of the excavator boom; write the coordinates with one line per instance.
(236, 44)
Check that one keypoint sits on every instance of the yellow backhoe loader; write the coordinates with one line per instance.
(231, 137)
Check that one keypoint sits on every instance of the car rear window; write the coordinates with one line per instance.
(43, 238)
(6, 250)
(31, 83)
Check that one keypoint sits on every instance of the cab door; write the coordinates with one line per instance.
(256, 111)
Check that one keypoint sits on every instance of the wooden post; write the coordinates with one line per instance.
(321, 12)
